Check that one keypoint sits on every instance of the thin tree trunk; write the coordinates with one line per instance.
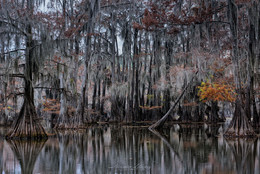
(63, 120)
(93, 7)
(160, 122)
(99, 95)
(114, 105)
(136, 94)
(103, 96)
(168, 55)
(94, 96)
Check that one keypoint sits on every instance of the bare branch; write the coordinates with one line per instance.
(8, 52)
(13, 75)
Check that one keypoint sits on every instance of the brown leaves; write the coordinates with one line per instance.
(164, 16)
(51, 106)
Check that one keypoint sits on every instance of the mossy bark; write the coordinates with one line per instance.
(239, 125)
(27, 124)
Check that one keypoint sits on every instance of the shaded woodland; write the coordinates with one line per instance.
(64, 64)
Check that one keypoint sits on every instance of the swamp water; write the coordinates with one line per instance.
(123, 149)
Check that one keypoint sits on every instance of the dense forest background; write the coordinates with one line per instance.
(73, 62)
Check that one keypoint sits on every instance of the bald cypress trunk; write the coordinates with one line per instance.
(63, 120)
(239, 126)
(3, 86)
(27, 125)
(136, 77)
(93, 7)
(115, 114)
(168, 56)
(252, 50)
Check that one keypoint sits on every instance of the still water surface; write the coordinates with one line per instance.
(122, 149)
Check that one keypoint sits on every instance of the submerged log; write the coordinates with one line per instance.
(160, 122)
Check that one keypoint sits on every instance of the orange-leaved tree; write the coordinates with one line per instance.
(216, 91)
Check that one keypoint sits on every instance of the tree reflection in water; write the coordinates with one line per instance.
(243, 155)
(26, 152)
(122, 149)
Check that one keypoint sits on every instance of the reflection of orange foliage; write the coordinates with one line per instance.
(150, 107)
(218, 91)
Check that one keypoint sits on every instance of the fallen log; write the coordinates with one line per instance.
(160, 122)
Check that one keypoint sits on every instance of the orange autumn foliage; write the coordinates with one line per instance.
(217, 91)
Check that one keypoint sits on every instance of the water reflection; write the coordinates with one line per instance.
(243, 155)
(26, 152)
(115, 149)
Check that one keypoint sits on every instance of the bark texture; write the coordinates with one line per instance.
(27, 125)
(239, 126)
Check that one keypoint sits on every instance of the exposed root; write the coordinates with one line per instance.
(239, 126)
(27, 125)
